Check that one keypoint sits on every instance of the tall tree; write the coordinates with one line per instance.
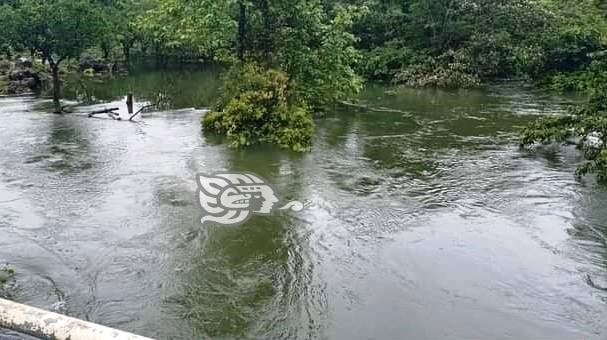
(57, 30)
(7, 27)
(300, 53)
(121, 17)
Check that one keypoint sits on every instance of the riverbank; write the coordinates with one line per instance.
(21, 76)
(32, 76)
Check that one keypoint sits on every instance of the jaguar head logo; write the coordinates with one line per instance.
(231, 199)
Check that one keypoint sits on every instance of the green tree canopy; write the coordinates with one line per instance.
(121, 27)
(415, 40)
(306, 39)
(7, 27)
(307, 42)
(57, 30)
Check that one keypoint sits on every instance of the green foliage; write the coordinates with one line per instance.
(320, 46)
(207, 26)
(306, 42)
(384, 62)
(319, 58)
(578, 30)
(586, 126)
(584, 80)
(575, 58)
(256, 108)
(423, 42)
(121, 28)
(506, 37)
(447, 71)
(57, 29)
(6, 274)
(7, 27)
(305, 39)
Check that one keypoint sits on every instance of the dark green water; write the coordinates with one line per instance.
(426, 220)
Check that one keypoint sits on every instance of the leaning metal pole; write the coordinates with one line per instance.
(47, 325)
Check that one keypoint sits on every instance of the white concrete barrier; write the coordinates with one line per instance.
(47, 325)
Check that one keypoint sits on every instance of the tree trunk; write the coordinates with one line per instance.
(127, 45)
(126, 50)
(267, 28)
(56, 87)
(242, 30)
(157, 56)
(106, 49)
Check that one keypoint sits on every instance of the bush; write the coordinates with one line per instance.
(578, 32)
(499, 55)
(382, 63)
(447, 71)
(585, 80)
(585, 125)
(256, 108)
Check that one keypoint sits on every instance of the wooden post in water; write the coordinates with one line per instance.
(129, 103)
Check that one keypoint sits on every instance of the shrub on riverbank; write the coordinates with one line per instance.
(585, 125)
(449, 70)
(585, 80)
(459, 43)
(256, 108)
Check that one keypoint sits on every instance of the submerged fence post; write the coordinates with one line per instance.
(47, 325)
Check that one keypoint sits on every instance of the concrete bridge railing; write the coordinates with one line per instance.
(47, 325)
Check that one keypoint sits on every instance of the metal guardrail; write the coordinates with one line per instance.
(48, 325)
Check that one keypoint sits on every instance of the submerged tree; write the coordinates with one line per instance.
(299, 52)
(57, 30)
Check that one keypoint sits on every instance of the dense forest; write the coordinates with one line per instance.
(287, 60)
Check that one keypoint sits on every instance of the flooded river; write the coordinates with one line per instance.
(426, 220)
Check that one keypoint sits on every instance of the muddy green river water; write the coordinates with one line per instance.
(425, 221)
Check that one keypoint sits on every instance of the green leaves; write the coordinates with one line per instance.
(307, 40)
(7, 27)
(57, 29)
(490, 39)
(289, 57)
(206, 26)
(586, 126)
(256, 108)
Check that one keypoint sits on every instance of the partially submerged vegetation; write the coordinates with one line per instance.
(256, 107)
(584, 126)
(290, 59)
(585, 80)
(6, 274)
(444, 43)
